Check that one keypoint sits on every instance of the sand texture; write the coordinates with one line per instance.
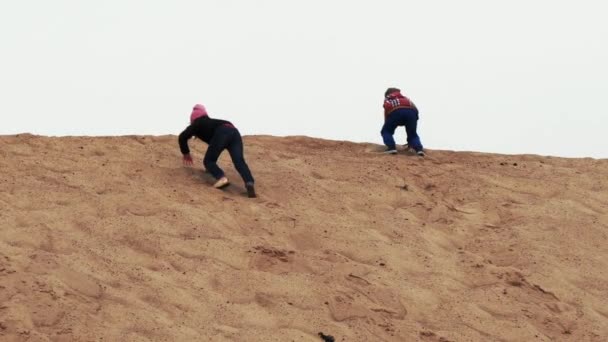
(112, 239)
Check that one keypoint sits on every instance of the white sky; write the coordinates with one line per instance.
(519, 76)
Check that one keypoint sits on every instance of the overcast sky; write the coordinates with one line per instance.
(519, 76)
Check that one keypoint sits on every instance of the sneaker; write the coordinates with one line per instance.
(421, 153)
(250, 190)
(390, 151)
(221, 183)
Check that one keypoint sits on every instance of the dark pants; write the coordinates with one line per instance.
(227, 138)
(407, 117)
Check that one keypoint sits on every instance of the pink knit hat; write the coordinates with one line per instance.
(198, 111)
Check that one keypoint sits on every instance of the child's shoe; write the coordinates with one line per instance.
(221, 183)
(390, 151)
(250, 190)
(421, 153)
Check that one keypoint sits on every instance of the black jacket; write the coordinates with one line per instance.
(202, 128)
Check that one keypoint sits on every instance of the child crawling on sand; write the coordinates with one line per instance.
(400, 111)
(220, 135)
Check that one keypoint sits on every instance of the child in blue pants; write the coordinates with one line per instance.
(400, 111)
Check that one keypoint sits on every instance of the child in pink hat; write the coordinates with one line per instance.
(220, 135)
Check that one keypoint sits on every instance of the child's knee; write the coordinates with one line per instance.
(387, 131)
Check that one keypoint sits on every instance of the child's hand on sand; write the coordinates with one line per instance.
(187, 160)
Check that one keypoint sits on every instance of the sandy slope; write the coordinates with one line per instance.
(108, 239)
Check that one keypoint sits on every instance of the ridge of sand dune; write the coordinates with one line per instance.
(110, 238)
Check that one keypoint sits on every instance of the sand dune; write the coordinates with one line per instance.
(111, 239)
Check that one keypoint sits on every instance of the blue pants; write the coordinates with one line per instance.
(227, 138)
(407, 117)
